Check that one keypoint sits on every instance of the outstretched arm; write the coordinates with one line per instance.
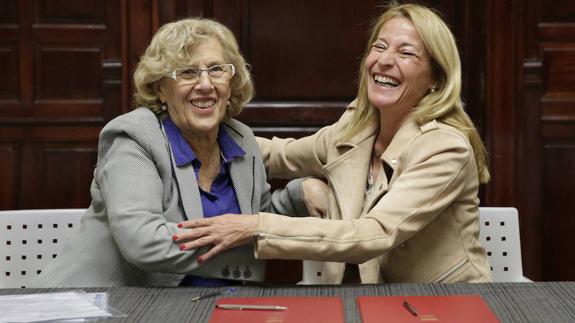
(231, 230)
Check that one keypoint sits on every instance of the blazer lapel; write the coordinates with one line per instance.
(391, 156)
(348, 172)
(189, 192)
(242, 172)
(185, 178)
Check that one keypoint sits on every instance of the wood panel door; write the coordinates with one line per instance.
(531, 122)
(61, 81)
(549, 67)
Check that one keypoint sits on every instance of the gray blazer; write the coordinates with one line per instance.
(139, 196)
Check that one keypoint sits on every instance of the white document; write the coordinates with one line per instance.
(50, 306)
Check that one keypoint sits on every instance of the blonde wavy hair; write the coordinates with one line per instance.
(445, 103)
(174, 45)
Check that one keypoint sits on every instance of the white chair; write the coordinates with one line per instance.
(499, 235)
(30, 239)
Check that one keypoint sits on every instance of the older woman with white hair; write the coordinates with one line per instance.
(179, 155)
(403, 166)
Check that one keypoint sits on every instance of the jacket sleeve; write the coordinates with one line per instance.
(437, 164)
(293, 158)
(131, 186)
(289, 200)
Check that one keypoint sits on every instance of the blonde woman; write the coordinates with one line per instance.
(403, 166)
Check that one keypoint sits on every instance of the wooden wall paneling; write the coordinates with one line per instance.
(59, 167)
(530, 183)
(470, 15)
(115, 81)
(13, 61)
(68, 81)
(189, 8)
(559, 74)
(113, 96)
(8, 188)
(77, 47)
(26, 11)
(535, 122)
(10, 102)
(503, 28)
(8, 12)
(66, 182)
(142, 22)
(529, 143)
(9, 83)
(557, 48)
(327, 58)
(306, 59)
(559, 207)
(236, 15)
(64, 65)
(515, 87)
(70, 11)
(528, 89)
(560, 11)
(9, 172)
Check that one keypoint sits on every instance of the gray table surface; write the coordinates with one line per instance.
(511, 302)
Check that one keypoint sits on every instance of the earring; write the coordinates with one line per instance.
(432, 89)
(164, 108)
(228, 104)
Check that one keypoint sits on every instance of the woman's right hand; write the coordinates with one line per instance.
(221, 232)
(315, 192)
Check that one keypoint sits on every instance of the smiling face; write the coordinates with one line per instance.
(198, 108)
(398, 68)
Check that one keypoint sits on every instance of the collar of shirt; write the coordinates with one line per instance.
(183, 153)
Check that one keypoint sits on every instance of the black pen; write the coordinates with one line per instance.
(410, 308)
(199, 298)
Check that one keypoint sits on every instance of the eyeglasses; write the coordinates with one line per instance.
(190, 75)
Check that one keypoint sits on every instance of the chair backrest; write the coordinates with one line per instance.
(311, 272)
(499, 235)
(30, 239)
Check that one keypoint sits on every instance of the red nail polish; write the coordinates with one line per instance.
(182, 247)
(174, 237)
(180, 225)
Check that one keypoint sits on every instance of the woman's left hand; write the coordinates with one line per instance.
(223, 232)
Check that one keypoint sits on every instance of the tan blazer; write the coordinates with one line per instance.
(420, 225)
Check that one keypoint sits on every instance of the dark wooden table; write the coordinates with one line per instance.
(511, 302)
